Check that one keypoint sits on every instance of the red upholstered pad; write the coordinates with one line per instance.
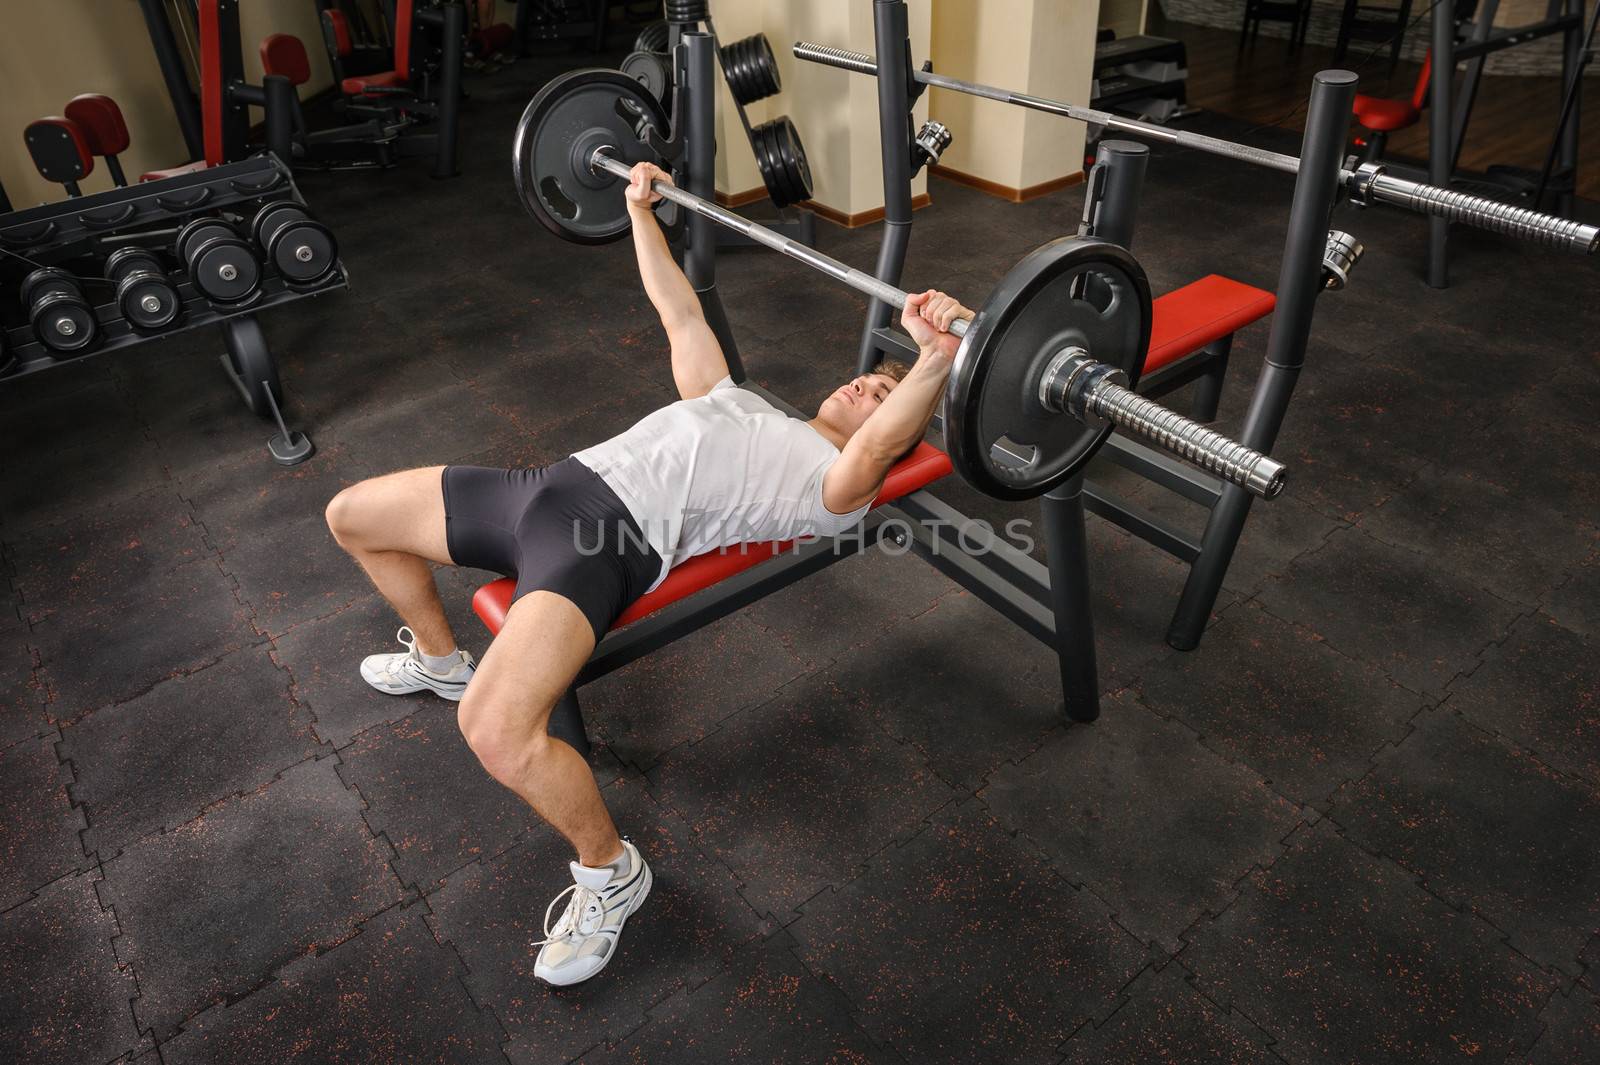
(282, 53)
(1187, 319)
(100, 119)
(173, 171)
(389, 79)
(59, 149)
(923, 466)
(1380, 115)
(341, 32)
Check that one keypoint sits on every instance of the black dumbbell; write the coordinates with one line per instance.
(221, 265)
(302, 248)
(61, 317)
(146, 296)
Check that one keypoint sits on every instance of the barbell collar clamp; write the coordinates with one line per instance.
(1339, 258)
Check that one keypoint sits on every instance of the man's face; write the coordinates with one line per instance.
(851, 404)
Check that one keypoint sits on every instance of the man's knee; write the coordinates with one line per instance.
(500, 736)
(346, 514)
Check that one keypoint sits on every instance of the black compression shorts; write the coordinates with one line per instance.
(559, 528)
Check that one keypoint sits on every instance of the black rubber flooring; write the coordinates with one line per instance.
(1360, 823)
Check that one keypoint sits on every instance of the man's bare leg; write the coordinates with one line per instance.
(545, 640)
(394, 527)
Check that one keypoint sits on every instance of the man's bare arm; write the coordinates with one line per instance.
(697, 359)
(901, 421)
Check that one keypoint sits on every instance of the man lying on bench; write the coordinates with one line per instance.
(588, 535)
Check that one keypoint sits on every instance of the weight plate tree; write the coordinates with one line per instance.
(561, 127)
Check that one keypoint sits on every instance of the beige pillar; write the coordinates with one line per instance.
(1041, 47)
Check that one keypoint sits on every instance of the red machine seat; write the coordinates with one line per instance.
(1187, 319)
(1378, 114)
(923, 466)
(388, 79)
(60, 150)
(341, 32)
(173, 171)
(100, 120)
(283, 53)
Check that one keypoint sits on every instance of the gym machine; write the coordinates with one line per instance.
(1045, 372)
(216, 246)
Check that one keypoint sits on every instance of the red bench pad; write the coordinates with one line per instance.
(923, 466)
(1187, 319)
(389, 79)
(283, 53)
(1381, 115)
(173, 171)
(100, 120)
(60, 150)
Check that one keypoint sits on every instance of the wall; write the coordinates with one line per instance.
(1537, 57)
(52, 51)
(1126, 17)
(1042, 47)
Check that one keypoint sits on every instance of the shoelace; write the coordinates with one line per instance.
(582, 900)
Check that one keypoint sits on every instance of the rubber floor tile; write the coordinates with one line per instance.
(1166, 1019)
(1539, 688)
(766, 1008)
(63, 997)
(324, 658)
(22, 713)
(952, 675)
(1417, 620)
(1136, 809)
(427, 793)
(38, 825)
(1489, 829)
(692, 925)
(446, 421)
(681, 692)
(296, 575)
(134, 637)
(1576, 602)
(77, 477)
(213, 908)
(72, 564)
(155, 761)
(1340, 956)
(237, 502)
(962, 945)
(390, 993)
(795, 794)
(1276, 697)
(1514, 546)
(1572, 1030)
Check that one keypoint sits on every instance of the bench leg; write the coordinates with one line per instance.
(566, 723)
(1208, 389)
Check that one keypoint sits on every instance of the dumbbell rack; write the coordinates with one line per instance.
(147, 215)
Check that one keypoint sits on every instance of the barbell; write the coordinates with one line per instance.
(1045, 369)
(1366, 184)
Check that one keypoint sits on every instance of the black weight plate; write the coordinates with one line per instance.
(792, 157)
(751, 69)
(45, 280)
(1032, 314)
(761, 142)
(131, 297)
(272, 215)
(128, 260)
(211, 262)
(654, 72)
(63, 322)
(197, 230)
(653, 38)
(303, 250)
(557, 135)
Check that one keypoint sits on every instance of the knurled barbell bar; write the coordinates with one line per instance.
(1028, 357)
(1366, 184)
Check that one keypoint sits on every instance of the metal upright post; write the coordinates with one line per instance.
(894, 129)
(1573, 63)
(1440, 150)
(700, 258)
(184, 105)
(281, 106)
(1067, 554)
(1299, 283)
(453, 25)
(1111, 204)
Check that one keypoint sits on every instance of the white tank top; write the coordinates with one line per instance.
(725, 468)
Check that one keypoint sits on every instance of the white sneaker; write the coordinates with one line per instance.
(586, 935)
(401, 674)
